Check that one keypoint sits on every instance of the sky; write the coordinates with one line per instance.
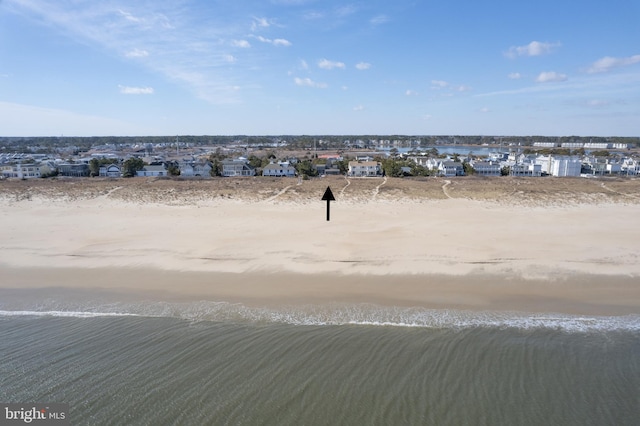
(319, 67)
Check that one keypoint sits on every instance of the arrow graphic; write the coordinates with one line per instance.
(328, 196)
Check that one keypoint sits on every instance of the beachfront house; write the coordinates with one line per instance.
(238, 167)
(282, 169)
(21, 171)
(364, 168)
(451, 169)
(486, 168)
(110, 170)
(152, 170)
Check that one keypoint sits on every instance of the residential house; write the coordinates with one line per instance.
(486, 168)
(279, 169)
(450, 169)
(364, 168)
(110, 170)
(73, 169)
(526, 170)
(237, 167)
(21, 171)
(195, 168)
(152, 170)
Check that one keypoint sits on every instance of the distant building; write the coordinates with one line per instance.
(364, 168)
(231, 168)
(279, 170)
(110, 170)
(451, 169)
(486, 168)
(21, 171)
(73, 170)
(152, 170)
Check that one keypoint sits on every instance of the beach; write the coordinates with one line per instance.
(234, 301)
(500, 244)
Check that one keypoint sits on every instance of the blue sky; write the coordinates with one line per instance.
(169, 67)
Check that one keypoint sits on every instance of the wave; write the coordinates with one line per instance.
(333, 315)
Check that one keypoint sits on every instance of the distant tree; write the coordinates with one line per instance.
(255, 161)
(94, 167)
(601, 153)
(131, 166)
(306, 169)
(392, 167)
(505, 171)
(216, 168)
(173, 169)
(468, 168)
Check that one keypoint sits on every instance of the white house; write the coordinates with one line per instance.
(486, 168)
(152, 171)
(110, 170)
(450, 169)
(526, 169)
(21, 171)
(238, 167)
(279, 169)
(364, 168)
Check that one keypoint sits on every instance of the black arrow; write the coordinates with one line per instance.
(328, 196)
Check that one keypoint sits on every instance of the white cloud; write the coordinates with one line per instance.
(608, 63)
(244, 44)
(363, 66)
(378, 20)
(535, 48)
(358, 108)
(276, 42)
(550, 76)
(260, 23)
(597, 103)
(309, 83)
(515, 76)
(427, 117)
(127, 90)
(411, 93)
(463, 88)
(281, 42)
(329, 65)
(230, 58)
(128, 16)
(136, 53)
(346, 11)
(439, 84)
(484, 110)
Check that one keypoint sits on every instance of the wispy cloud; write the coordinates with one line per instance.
(174, 41)
(275, 42)
(410, 92)
(359, 108)
(329, 65)
(309, 83)
(441, 84)
(535, 48)
(243, 44)
(363, 66)
(137, 53)
(379, 20)
(127, 90)
(609, 63)
(550, 77)
(514, 76)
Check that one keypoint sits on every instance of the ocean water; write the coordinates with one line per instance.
(148, 362)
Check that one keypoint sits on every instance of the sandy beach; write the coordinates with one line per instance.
(532, 245)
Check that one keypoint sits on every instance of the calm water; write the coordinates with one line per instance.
(193, 363)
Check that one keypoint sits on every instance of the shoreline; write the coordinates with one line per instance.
(584, 294)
